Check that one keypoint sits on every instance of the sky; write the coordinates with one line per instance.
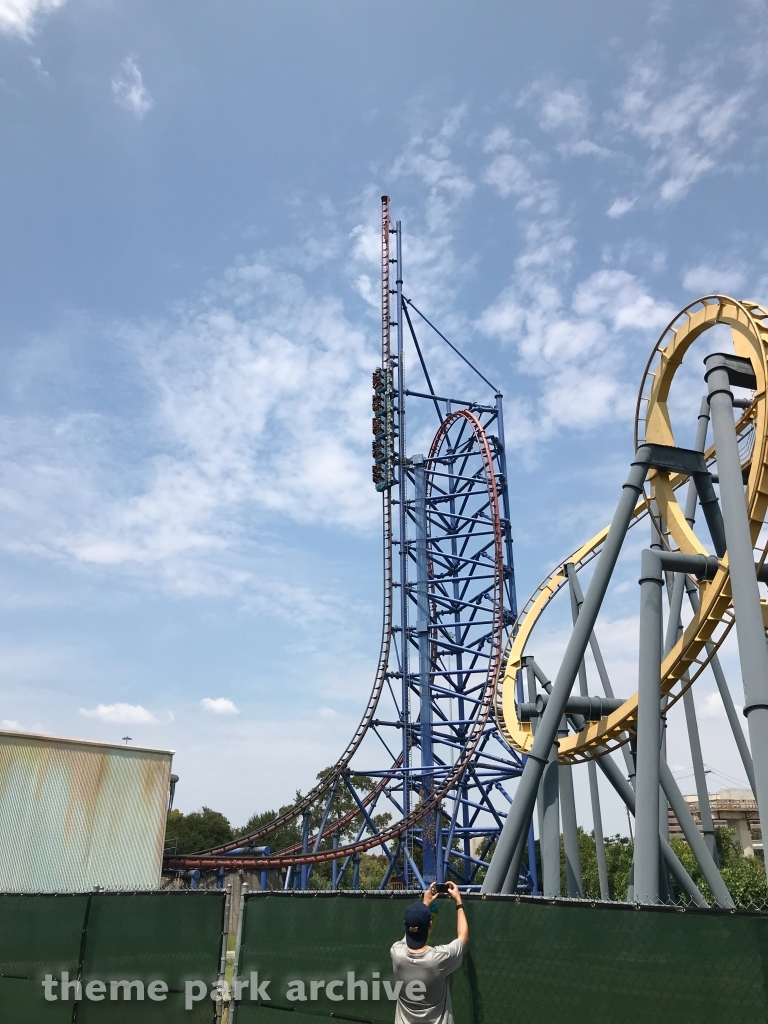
(189, 207)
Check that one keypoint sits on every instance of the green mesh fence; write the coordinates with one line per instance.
(38, 935)
(172, 937)
(531, 960)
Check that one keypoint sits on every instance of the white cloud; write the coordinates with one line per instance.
(564, 112)
(219, 706)
(711, 706)
(129, 90)
(620, 206)
(20, 17)
(686, 129)
(327, 713)
(125, 714)
(573, 347)
(11, 724)
(509, 175)
(564, 108)
(707, 280)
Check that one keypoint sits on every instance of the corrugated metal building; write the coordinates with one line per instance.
(76, 814)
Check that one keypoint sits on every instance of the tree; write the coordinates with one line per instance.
(198, 830)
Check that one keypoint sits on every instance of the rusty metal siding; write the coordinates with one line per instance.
(76, 814)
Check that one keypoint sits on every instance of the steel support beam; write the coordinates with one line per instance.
(594, 793)
(646, 860)
(721, 371)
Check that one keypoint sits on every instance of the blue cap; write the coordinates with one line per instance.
(417, 919)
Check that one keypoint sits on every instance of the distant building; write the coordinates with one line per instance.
(731, 808)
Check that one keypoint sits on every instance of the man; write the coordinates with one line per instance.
(413, 960)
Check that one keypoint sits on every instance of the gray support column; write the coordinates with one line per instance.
(511, 881)
(674, 630)
(570, 828)
(665, 891)
(594, 793)
(549, 797)
(609, 768)
(725, 694)
(707, 825)
(648, 724)
(597, 827)
(506, 856)
(695, 841)
(750, 631)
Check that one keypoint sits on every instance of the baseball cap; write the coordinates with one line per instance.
(417, 919)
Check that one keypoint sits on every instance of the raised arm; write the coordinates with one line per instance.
(462, 926)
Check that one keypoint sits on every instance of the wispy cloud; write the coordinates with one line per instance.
(705, 279)
(563, 111)
(124, 714)
(23, 17)
(687, 126)
(219, 706)
(620, 206)
(129, 90)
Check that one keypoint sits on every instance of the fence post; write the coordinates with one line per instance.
(234, 1001)
(223, 958)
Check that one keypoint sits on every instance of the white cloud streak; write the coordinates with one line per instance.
(219, 706)
(129, 90)
(123, 714)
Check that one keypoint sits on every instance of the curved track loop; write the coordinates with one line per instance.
(217, 856)
(688, 658)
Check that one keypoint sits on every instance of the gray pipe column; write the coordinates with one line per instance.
(665, 891)
(570, 827)
(681, 583)
(750, 632)
(547, 806)
(506, 856)
(648, 724)
(549, 797)
(594, 793)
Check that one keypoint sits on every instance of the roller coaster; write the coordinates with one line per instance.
(460, 708)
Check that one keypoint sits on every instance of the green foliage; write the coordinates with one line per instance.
(744, 877)
(618, 858)
(198, 830)
(283, 838)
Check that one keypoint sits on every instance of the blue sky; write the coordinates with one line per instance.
(189, 286)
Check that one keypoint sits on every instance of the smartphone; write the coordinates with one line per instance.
(441, 888)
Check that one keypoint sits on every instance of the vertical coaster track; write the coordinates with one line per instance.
(425, 776)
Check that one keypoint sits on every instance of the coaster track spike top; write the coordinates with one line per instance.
(425, 775)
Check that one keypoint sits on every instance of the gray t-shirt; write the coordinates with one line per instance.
(432, 967)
